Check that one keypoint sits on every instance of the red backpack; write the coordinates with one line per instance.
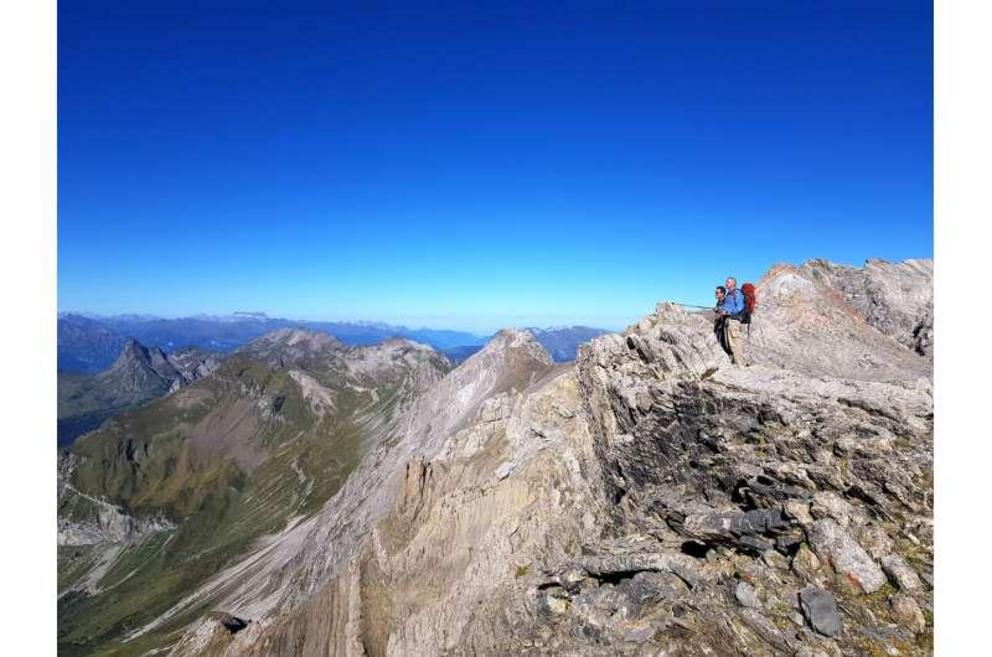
(750, 301)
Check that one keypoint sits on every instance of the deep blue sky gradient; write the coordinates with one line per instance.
(477, 166)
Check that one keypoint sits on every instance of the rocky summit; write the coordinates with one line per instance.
(648, 499)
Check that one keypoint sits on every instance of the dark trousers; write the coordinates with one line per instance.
(720, 329)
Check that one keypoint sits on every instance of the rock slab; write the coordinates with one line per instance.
(830, 541)
(820, 609)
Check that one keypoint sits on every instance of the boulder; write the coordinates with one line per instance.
(820, 609)
(747, 595)
(900, 572)
(829, 504)
(832, 543)
(805, 563)
(907, 612)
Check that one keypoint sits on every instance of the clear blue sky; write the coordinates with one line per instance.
(478, 166)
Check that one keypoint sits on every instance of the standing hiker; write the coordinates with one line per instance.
(719, 322)
(732, 311)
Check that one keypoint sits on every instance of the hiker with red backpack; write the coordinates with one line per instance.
(736, 310)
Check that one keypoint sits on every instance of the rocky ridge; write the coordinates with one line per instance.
(649, 499)
(138, 375)
(145, 372)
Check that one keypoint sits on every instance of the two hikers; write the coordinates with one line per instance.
(732, 310)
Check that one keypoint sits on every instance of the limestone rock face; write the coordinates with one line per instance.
(806, 325)
(626, 503)
(894, 297)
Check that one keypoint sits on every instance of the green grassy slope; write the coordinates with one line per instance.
(227, 460)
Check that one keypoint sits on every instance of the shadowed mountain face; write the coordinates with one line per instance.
(649, 498)
(139, 375)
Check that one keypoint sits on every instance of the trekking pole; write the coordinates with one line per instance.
(689, 305)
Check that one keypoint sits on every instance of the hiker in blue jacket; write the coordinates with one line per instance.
(731, 311)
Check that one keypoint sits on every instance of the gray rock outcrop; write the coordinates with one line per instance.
(894, 297)
(845, 554)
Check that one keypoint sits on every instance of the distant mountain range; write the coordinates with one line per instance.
(96, 383)
(89, 344)
(562, 342)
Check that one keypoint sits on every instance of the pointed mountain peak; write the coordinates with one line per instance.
(510, 350)
(133, 352)
(139, 372)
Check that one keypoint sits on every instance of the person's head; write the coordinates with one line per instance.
(731, 282)
(720, 292)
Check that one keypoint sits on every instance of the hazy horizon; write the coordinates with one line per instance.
(480, 329)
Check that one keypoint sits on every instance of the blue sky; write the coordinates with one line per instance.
(478, 166)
